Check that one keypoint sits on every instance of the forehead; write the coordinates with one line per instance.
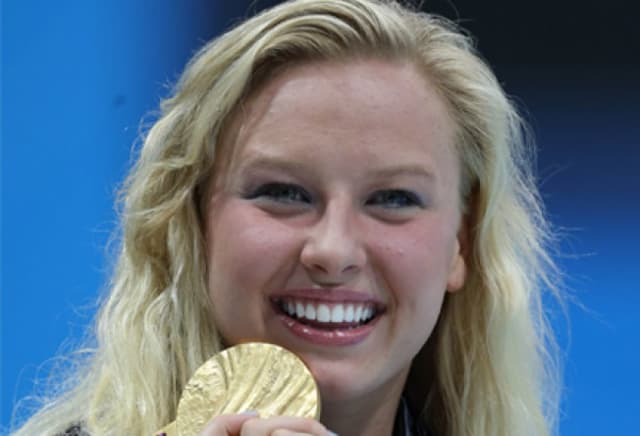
(361, 102)
(372, 83)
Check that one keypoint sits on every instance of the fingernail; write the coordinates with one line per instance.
(250, 413)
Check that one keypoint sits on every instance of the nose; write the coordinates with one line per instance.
(333, 251)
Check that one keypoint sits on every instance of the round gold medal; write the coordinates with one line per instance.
(254, 376)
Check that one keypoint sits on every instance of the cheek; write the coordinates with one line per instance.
(416, 259)
(245, 256)
(247, 248)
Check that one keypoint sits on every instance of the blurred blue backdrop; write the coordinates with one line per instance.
(79, 77)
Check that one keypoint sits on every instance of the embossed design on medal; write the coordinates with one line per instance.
(253, 376)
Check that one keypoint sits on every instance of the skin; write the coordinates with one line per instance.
(339, 177)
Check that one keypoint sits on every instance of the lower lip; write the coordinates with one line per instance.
(337, 337)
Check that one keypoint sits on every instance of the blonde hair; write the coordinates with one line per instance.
(487, 368)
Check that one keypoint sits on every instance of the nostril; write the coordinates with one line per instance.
(319, 267)
(331, 262)
(330, 274)
(350, 268)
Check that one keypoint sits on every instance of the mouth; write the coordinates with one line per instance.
(328, 316)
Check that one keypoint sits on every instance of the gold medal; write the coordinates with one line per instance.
(261, 377)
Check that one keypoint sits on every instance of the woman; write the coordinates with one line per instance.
(344, 178)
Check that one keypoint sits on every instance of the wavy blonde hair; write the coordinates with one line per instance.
(486, 370)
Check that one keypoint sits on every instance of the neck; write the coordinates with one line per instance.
(371, 415)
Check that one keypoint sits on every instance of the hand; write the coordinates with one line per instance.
(250, 424)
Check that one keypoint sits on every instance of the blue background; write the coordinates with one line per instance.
(79, 78)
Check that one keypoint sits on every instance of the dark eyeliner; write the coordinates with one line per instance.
(278, 191)
(387, 197)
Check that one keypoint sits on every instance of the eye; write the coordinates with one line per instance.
(395, 199)
(281, 193)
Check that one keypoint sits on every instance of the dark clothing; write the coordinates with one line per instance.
(405, 424)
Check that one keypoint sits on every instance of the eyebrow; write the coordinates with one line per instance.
(280, 164)
(402, 170)
(271, 163)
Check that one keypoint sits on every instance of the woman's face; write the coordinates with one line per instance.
(334, 229)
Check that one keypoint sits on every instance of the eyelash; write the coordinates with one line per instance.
(395, 199)
(281, 193)
(287, 193)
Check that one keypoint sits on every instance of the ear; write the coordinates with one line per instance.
(458, 267)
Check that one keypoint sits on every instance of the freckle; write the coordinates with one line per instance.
(394, 251)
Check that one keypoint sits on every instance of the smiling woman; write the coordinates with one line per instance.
(316, 217)
(345, 179)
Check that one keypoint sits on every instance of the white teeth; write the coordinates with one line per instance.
(366, 314)
(348, 315)
(310, 313)
(328, 313)
(324, 313)
(357, 316)
(337, 314)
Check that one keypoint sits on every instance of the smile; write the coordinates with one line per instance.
(332, 314)
(337, 318)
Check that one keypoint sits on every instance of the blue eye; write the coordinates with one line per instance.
(281, 193)
(395, 199)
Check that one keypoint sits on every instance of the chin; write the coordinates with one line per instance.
(347, 381)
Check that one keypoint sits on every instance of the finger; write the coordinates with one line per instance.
(268, 426)
(227, 425)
